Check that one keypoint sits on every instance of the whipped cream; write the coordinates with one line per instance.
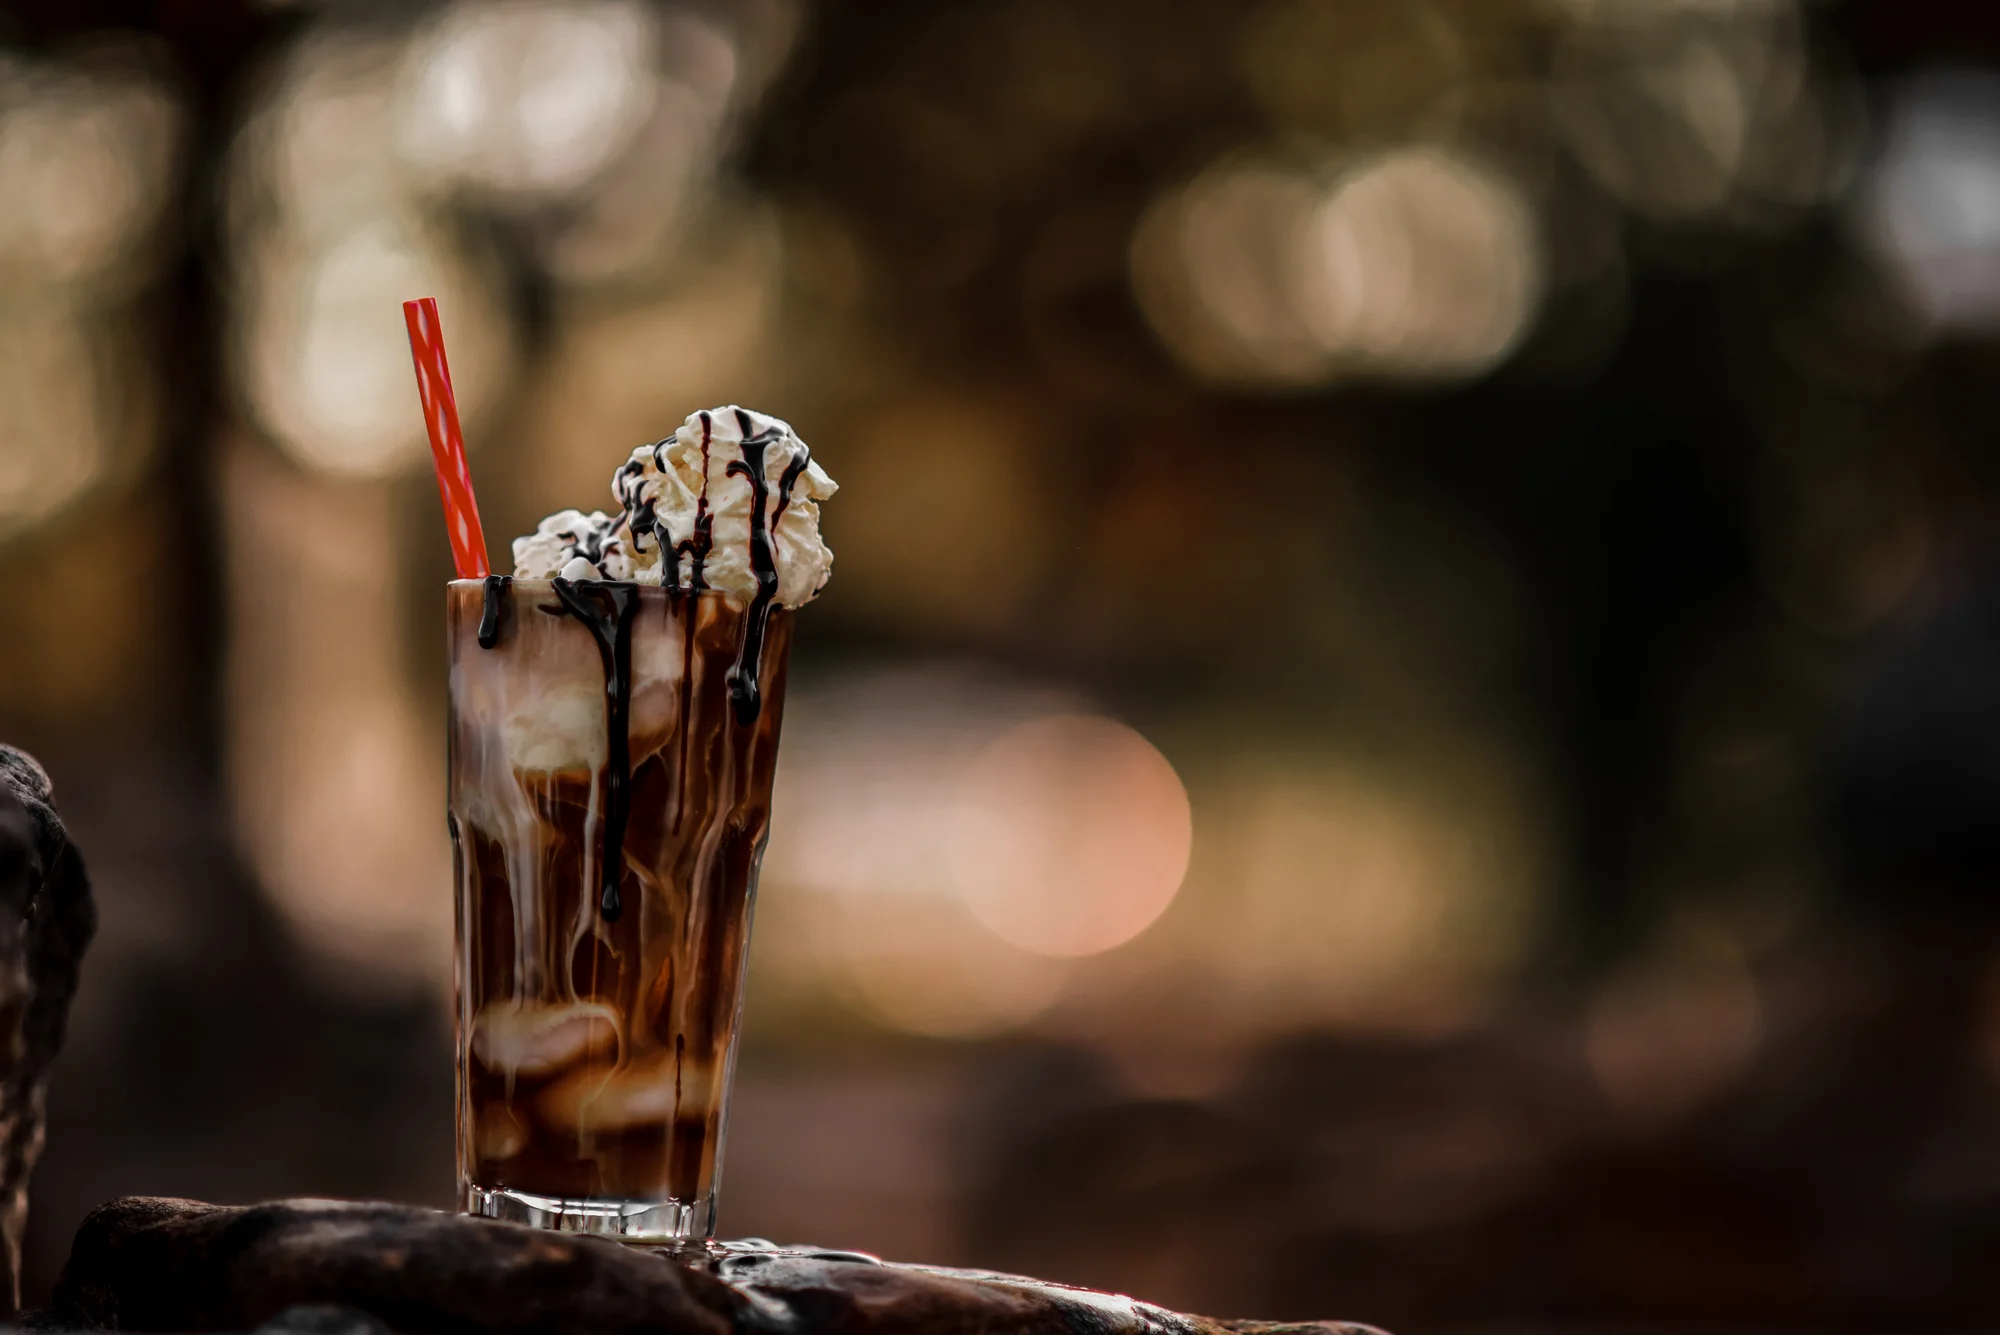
(573, 545)
(694, 511)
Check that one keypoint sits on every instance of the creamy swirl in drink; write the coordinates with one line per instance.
(615, 716)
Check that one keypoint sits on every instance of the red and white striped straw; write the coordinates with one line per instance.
(461, 511)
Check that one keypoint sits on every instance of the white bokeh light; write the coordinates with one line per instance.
(326, 248)
(1428, 266)
(1215, 270)
(327, 362)
(87, 155)
(1418, 264)
(1931, 202)
(54, 441)
(530, 98)
(635, 210)
(86, 160)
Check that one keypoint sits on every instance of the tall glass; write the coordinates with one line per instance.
(604, 892)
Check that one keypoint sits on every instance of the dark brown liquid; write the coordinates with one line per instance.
(595, 1045)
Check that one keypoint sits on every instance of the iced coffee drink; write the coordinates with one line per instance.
(615, 716)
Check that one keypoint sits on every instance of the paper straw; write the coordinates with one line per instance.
(461, 511)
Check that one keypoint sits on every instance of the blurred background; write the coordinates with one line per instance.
(1408, 727)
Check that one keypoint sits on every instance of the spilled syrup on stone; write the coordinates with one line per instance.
(606, 607)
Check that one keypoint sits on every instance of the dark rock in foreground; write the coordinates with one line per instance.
(145, 1263)
(46, 921)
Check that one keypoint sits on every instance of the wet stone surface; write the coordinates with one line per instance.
(330, 1267)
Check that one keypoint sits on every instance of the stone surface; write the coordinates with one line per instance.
(144, 1263)
(46, 921)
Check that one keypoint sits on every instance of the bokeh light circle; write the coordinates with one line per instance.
(925, 969)
(1427, 266)
(324, 246)
(326, 362)
(530, 98)
(86, 160)
(1930, 205)
(1215, 270)
(1419, 264)
(1070, 834)
(52, 416)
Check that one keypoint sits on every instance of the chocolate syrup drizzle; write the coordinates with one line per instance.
(639, 516)
(703, 538)
(606, 607)
(494, 610)
(745, 695)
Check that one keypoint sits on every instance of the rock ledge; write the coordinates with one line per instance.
(148, 1263)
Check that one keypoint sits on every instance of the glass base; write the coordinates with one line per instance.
(661, 1223)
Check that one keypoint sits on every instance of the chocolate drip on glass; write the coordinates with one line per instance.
(743, 692)
(494, 611)
(606, 608)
